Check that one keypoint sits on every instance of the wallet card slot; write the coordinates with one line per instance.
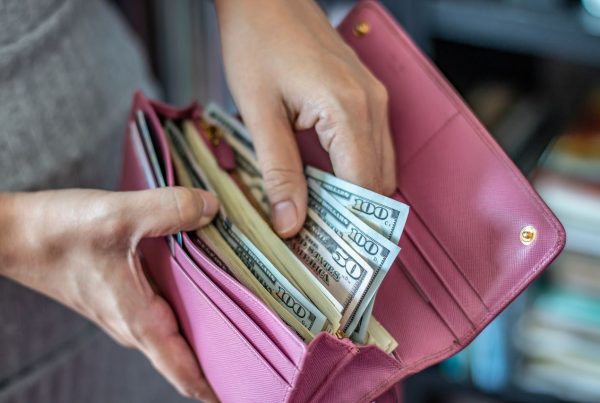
(474, 216)
(216, 338)
(267, 321)
(455, 281)
(410, 318)
(242, 322)
(159, 140)
(429, 284)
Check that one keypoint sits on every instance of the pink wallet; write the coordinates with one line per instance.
(477, 235)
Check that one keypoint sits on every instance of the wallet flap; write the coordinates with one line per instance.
(477, 234)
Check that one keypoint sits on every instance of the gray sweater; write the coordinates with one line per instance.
(68, 70)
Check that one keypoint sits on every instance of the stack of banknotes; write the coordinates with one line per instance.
(326, 278)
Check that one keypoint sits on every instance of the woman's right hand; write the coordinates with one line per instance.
(79, 248)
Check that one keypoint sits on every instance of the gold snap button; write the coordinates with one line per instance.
(361, 29)
(528, 234)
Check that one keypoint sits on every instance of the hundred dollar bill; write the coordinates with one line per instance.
(376, 249)
(379, 336)
(215, 115)
(336, 265)
(239, 139)
(270, 278)
(183, 158)
(210, 241)
(242, 258)
(384, 214)
(360, 332)
(240, 211)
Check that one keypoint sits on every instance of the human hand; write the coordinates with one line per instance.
(79, 247)
(289, 69)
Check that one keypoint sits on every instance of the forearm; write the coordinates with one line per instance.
(10, 235)
(23, 239)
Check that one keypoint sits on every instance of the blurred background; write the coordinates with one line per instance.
(530, 69)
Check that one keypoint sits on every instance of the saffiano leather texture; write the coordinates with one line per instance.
(462, 260)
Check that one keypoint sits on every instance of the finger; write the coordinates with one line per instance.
(388, 157)
(172, 356)
(280, 164)
(159, 212)
(388, 163)
(346, 132)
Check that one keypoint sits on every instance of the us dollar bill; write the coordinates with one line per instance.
(384, 214)
(336, 265)
(270, 278)
(223, 240)
(237, 136)
(376, 249)
(360, 332)
(183, 158)
(217, 116)
(209, 240)
(239, 210)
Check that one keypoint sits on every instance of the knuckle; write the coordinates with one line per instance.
(281, 182)
(188, 205)
(112, 224)
(355, 97)
(119, 227)
(380, 93)
(389, 185)
(140, 331)
(354, 105)
(147, 325)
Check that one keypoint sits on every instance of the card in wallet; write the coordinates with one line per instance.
(477, 236)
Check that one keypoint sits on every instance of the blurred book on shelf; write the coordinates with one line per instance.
(576, 154)
(559, 335)
(548, 341)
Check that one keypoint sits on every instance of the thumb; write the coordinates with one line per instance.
(281, 166)
(165, 211)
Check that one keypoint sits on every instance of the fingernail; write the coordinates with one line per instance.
(211, 204)
(284, 216)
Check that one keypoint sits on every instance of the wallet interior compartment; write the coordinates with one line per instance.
(317, 362)
(476, 208)
(285, 355)
(286, 341)
(214, 325)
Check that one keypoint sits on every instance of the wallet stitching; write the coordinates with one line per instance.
(528, 192)
(227, 322)
(254, 303)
